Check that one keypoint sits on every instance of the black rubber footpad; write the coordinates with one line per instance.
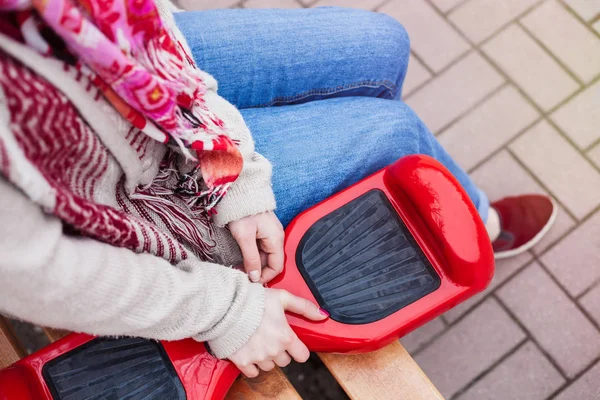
(124, 369)
(361, 262)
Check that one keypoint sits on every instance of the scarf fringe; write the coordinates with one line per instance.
(182, 205)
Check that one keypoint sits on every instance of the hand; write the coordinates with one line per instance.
(260, 238)
(274, 342)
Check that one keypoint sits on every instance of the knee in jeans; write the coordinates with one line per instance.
(390, 40)
(390, 27)
(409, 126)
(379, 41)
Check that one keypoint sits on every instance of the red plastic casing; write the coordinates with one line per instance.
(202, 375)
(446, 225)
(437, 212)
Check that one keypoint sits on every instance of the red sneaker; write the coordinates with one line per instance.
(524, 220)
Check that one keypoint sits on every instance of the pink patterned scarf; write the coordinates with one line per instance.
(126, 51)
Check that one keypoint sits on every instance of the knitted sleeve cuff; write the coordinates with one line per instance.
(250, 194)
(248, 311)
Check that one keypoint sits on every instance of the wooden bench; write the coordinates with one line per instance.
(389, 373)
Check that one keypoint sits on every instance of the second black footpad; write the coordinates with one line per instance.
(124, 369)
(361, 262)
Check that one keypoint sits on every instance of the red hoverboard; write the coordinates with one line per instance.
(383, 257)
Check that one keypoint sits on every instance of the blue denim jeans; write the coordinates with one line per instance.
(320, 91)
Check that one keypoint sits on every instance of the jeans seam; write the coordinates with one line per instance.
(284, 100)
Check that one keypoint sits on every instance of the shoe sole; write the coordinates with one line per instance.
(536, 239)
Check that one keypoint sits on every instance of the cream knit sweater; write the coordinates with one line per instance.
(83, 285)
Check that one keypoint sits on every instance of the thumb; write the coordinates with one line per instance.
(303, 307)
(250, 255)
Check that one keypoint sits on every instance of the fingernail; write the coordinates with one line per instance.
(325, 313)
(254, 275)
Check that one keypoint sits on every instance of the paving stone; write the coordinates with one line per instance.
(567, 38)
(530, 67)
(575, 261)
(596, 26)
(591, 303)
(552, 318)
(488, 127)
(584, 388)
(454, 91)
(594, 154)
(272, 4)
(416, 75)
(446, 5)
(417, 338)
(206, 4)
(470, 347)
(364, 4)
(502, 176)
(504, 270)
(586, 9)
(580, 117)
(569, 176)
(479, 19)
(525, 375)
(432, 38)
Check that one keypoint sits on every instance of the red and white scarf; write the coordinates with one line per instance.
(54, 155)
(126, 51)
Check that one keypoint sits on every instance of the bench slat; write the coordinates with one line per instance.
(10, 351)
(389, 373)
(54, 334)
(268, 385)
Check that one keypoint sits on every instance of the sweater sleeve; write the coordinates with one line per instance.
(79, 284)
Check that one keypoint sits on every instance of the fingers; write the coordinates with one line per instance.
(303, 307)
(273, 248)
(271, 239)
(266, 229)
(251, 371)
(283, 359)
(247, 241)
(298, 350)
(266, 365)
(263, 258)
(268, 274)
